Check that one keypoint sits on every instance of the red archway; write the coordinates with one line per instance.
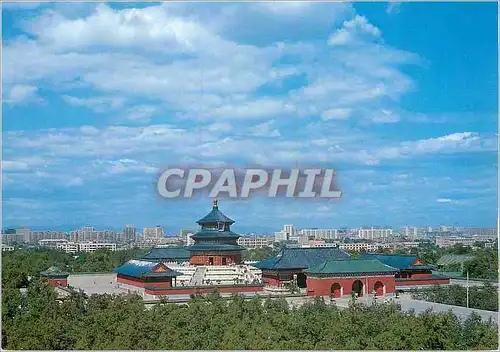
(379, 288)
(357, 287)
(336, 290)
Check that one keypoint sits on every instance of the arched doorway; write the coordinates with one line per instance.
(301, 280)
(357, 287)
(336, 290)
(379, 288)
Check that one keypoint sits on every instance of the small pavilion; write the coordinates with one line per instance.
(55, 276)
(142, 273)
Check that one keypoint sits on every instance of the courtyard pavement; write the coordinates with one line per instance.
(419, 306)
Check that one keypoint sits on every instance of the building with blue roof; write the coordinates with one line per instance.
(143, 273)
(215, 243)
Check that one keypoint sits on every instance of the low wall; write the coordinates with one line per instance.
(422, 282)
(187, 290)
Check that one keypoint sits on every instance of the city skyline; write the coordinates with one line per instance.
(403, 105)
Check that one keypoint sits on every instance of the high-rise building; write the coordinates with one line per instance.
(374, 233)
(287, 234)
(25, 232)
(153, 233)
(129, 233)
(320, 234)
(186, 235)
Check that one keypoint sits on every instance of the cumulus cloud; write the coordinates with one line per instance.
(355, 30)
(20, 93)
(265, 129)
(98, 104)
(336, 114)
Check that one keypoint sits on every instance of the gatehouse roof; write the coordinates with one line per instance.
(398, 261)
(143, 268)
(351, 266)
(54, 271)
(173, 254)
(302, 258)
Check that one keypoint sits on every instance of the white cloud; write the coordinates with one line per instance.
(446, 200)
(385, 116)
(20, 93)
(336, 114)
(142, 113)
(9, 165)
(220, 127)
(355, 30)
(393, 8)
(98, 104)
(265, 130)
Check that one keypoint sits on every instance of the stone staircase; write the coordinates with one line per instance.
(198, 276)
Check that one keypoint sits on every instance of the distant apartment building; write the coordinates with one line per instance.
(25, 233)
(319, 243)
(410, 232)
(450, 241)
(36, 236)
(72, 247)
(52, 243)
(287, 234)
(10, 237)
(6, 248)
(480, 231)
(187, 235)
(90, 234)
(153, 233)
(68, 247)
(374, 233)
(255, 241)
(363, 246)
(320, 234)
(130, 233)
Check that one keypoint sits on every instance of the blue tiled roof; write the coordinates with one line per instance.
(302, 258)
(215, 216)
(142, 268)
(179, 254)
(206, 246)
(351, 266)
(215, 234)
(396, 261)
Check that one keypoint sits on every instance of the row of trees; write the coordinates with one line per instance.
(38, 321)
(483, 266)
(18, 265)
(480, 297)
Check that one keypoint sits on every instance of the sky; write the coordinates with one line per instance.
(98, 99)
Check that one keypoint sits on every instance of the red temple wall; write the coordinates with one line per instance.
(204, 259)
(58, 282)
(271, 281)
(140, 283)
(322, 287)
(420, 274)
(210, 289)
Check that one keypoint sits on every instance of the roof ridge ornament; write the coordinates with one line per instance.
(215, 203)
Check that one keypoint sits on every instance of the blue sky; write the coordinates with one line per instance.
(99, 98)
